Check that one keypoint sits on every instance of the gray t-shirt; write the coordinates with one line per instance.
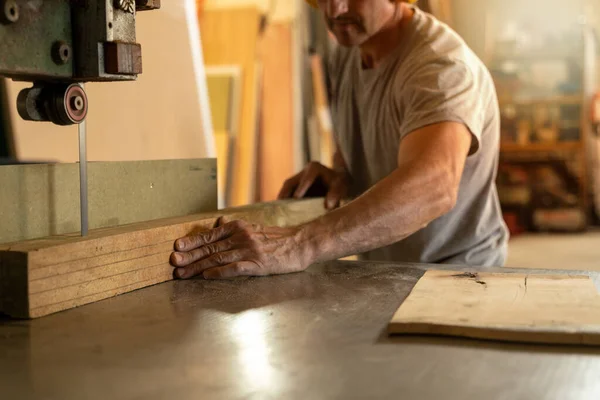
(431, 77)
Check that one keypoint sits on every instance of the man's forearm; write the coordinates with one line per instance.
(399, 205)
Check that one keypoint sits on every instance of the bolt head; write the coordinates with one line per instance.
(77, 103)
(10, 12)
(61, 52)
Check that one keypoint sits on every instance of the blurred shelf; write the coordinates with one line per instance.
(537, 55)
(561, 100)
(541, 147)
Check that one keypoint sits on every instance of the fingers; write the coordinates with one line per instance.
(310, 175)
(189, 243)
(215, 260)
(289, 186)
(181, 259)
(243, 268)
(335, 194)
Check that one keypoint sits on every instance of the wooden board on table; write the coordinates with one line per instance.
(276, 148)
(43, 276)
(40, 200)
(561, 309)
(230, 37)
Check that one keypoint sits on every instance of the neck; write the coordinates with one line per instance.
(378, 46)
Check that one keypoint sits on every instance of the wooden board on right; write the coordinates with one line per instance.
(536, 308)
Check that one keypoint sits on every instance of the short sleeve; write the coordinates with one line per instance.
(443, 91)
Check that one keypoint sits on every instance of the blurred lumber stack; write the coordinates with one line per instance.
(265, 83)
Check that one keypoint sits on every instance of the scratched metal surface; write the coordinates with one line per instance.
(29, 40)
(317, 334)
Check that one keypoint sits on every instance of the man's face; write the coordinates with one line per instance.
(354, 21)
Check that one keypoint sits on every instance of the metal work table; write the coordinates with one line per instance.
(312, 335)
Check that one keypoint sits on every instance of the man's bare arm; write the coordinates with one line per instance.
(422, 188)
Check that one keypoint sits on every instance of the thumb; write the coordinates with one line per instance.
(332, 199)
(222, 220)
(335, 194)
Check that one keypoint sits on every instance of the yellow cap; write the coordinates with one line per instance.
(314, 2)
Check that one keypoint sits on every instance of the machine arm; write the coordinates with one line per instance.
(58, 44)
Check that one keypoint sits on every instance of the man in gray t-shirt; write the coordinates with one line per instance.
(417, 131)
(430, 77)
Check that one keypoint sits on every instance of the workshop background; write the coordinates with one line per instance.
(245, 81)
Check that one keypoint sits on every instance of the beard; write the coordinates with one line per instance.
(349, 31)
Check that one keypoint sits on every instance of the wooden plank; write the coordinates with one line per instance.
(299, 77)
(230, 37)
(224, 87)
(322, 111)
(43, 276)
(219, 92)
(442, 9)
(561, 309)
(254, 189)
(223, 143)
(276, 148)
(43, 200)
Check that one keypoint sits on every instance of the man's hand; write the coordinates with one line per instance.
(239, 249)
(335, 184)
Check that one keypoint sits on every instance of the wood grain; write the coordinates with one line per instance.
(555, 309)
(43, 276)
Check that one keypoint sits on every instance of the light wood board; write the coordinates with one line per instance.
(43, 276)
(276, 148)
(561, 309)
(230, 37)
(43, 199)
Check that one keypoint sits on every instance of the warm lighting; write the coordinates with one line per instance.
(248, 332)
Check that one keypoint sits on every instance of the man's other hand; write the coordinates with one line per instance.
(238, 248)
(336, 184)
